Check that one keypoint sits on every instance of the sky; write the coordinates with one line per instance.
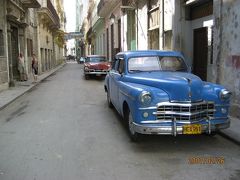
(70, 10)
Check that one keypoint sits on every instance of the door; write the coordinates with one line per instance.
(200, 55)
(15, 52)
(114, 82)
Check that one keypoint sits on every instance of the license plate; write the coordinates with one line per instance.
(192, 129)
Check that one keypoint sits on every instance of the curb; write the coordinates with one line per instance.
(228, 137)
(31, 87)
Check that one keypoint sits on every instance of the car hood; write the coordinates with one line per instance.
(180, 86)
(97, 65)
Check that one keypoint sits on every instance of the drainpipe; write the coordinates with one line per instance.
(219, 54)
(163, 22)
(137, 27)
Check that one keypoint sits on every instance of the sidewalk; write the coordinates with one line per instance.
(20, 88)
(233, 133)
(8, 96)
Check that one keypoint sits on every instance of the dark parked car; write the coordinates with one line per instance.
(156, 94)
(96, 65)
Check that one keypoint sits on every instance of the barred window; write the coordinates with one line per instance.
(1, 43)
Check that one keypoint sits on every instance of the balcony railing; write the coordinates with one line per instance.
(53, 11)
(49, 10)
(104, 6)
(17, 3)
(31, 3)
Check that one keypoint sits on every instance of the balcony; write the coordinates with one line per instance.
(106, 6)
(31, 3)
(48, 15)
(16, 13)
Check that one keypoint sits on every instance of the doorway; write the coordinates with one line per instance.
(14, 52)
(200, 54)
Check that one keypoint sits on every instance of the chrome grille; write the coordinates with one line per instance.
(185, 111)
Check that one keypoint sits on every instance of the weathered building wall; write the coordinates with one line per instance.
(30, 38)
(227, 49)
(46, 47)
(142, 25)
(3, 47)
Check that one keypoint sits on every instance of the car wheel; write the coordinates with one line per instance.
(134, 136)
(110, 105)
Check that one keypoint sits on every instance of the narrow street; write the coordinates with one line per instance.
(64, 130)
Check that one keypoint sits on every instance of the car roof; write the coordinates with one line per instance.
(150, 53)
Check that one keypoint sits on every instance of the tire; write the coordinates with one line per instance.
(110, 105)
(134, 136)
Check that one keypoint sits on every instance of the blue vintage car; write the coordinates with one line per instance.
(155, 93)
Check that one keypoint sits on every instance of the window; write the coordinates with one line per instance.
(1, 43)
(115, 67)
(139, 64)
(168, 40)
(155, 63)
(121, 66)
(172, 64)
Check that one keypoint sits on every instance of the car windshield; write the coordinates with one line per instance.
(96, 59)
(156, 63)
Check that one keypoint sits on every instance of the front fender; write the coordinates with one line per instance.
(129, 93)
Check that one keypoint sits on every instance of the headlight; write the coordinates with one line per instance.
(225, 94)
(86, 68)
(145, 98)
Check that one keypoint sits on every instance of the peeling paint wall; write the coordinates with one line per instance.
(3, 56)
(142, 25)
(226, 49)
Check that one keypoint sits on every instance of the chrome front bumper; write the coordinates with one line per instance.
(175, 129)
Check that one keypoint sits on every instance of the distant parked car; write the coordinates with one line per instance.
(156, 94)
(96, 65)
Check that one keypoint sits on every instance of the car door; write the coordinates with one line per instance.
(112, 86)
(116, 78)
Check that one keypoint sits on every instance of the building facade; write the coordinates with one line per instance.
(29, 27)
(16, 33)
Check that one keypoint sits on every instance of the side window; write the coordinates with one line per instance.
(121, 66)
(115, 66)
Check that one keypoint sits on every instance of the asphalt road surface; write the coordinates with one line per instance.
(64, 130)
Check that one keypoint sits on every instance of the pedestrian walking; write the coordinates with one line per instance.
(34, 68)
(21, 67)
